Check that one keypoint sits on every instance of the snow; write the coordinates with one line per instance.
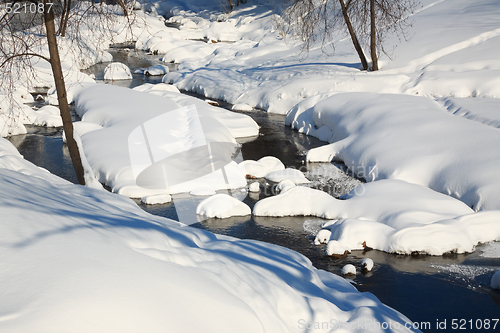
(388, 215)
(241, 107)
(127, 270)
(335, 248)
(265, 70)
(495, 280)
(262, 167)
(409, 138)
(119, 163)
(117, 71)
(348, 269)
(156, 70)
(48, 116)
(294, 175)
(284, 185)
(367, 264)
(222, 206)
(483, 110)
(156, 199)
(254, 187)
(202, 191)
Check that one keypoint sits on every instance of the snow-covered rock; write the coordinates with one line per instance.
(389, 215)
(336, 249)
(348, 269)
(367, 264)
(117, 71)
(222, 206)
(294, 175)
(254, 187)
(262, 167)
(48, 116)
(156, 199)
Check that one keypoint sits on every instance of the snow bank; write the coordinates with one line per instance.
(261, 167)
(124, 158)
(78, 255)
(48, 116)
(222, 206)
(405, 137)
(265, 70)
(388, 215)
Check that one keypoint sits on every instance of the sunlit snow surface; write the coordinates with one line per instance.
(80, 255)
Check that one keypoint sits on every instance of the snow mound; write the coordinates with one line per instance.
(254, 187)
(156, 70)
(157, 89)
(222, 206)
(426, 145)
(202, 191)
(391, 216)
(74, 252)
(117, 71)
(156, 199)
(294, 175)
(125, 157)
(261, 167)
(367, 264)
(348, 269)
(48, 116)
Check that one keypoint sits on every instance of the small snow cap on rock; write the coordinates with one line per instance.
(348, 270)
(222, 206)
(117, 71)
(495, 280)
(322, 237)
(254, 187)
(367, 264)
(336, 249)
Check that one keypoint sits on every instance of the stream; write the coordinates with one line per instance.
(427, 289)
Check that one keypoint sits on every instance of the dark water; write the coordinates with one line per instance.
(427, 289)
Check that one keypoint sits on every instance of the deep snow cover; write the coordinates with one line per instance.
(119, 113)
(84, 259)
(388, 215)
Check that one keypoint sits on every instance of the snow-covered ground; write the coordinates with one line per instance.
(80, 259)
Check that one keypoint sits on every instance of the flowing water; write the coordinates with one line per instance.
(431, 291)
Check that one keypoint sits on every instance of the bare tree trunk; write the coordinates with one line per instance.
(354, 39)
(64, 18)
(373, 37)
(55, 63)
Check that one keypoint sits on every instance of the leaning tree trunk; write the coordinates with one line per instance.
(354, 39)
(55, 63)
(373, 37)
